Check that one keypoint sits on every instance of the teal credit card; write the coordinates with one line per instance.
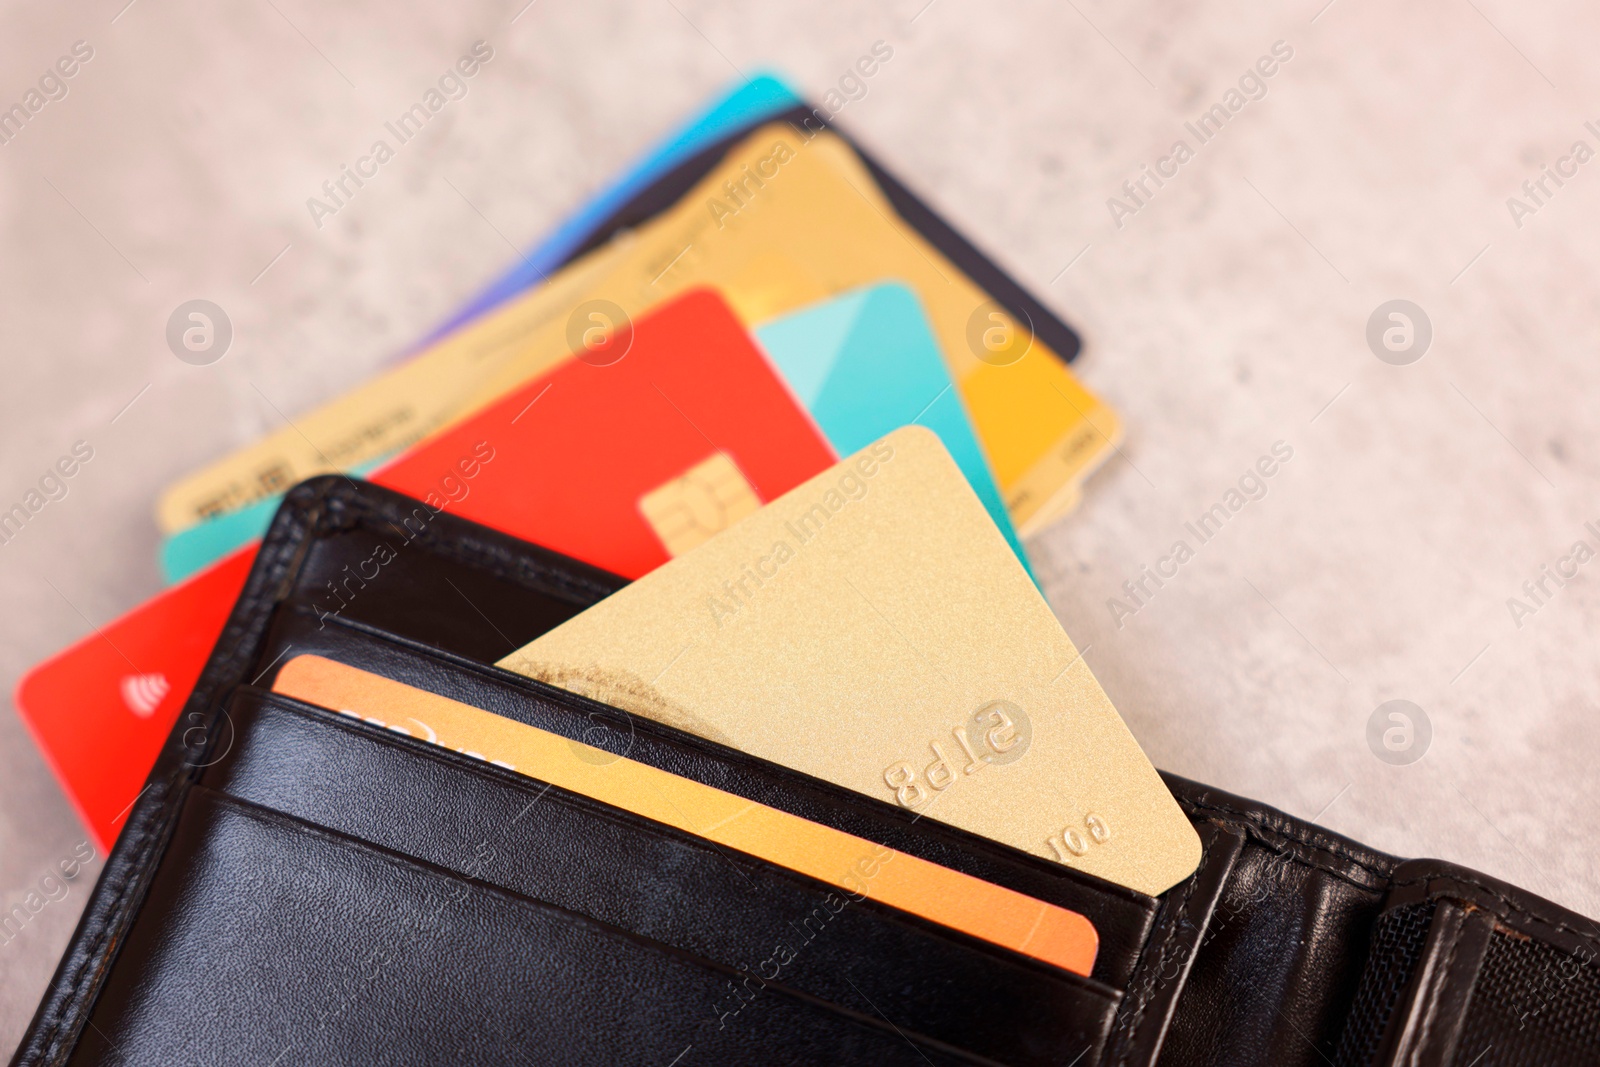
(196, 548)
(865, 363)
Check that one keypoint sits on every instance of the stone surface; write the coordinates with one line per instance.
(1226, 313)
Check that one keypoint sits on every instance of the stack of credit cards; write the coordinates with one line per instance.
(762, 382)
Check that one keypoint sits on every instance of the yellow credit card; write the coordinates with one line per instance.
(787, 219)
(860, 867)
(872, 628)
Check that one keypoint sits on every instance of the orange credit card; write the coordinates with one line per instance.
(860, 867)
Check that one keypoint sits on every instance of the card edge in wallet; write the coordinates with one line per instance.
(200, 797)
(1119, 948)
(1097, 998)
(274, 702)
(1069, 939)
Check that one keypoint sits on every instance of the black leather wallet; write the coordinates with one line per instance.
(300, 886)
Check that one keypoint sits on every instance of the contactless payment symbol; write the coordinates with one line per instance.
(143, 693)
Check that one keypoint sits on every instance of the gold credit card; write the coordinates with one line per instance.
(872, 628)
(861, 868)
(788, 218)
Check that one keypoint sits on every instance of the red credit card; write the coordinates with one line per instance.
(632, 453)
(101, 709)
(640, 448)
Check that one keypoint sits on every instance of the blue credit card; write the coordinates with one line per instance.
(865, 363)
(743, 106)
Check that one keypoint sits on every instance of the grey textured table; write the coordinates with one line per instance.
(1225, 310)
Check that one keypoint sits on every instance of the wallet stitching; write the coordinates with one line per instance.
(1251, 822)
(1510, 906)
(330, 507)
(171, 792)
(52, 1036)
(480, 553)
(1148, 988)
(1248, 823)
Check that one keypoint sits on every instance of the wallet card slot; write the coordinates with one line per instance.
(1530, 1002)
(1466, 970)
(282, 942)
(379, 576)
(764, 921)
(1122, 917)
(1426, 1029)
